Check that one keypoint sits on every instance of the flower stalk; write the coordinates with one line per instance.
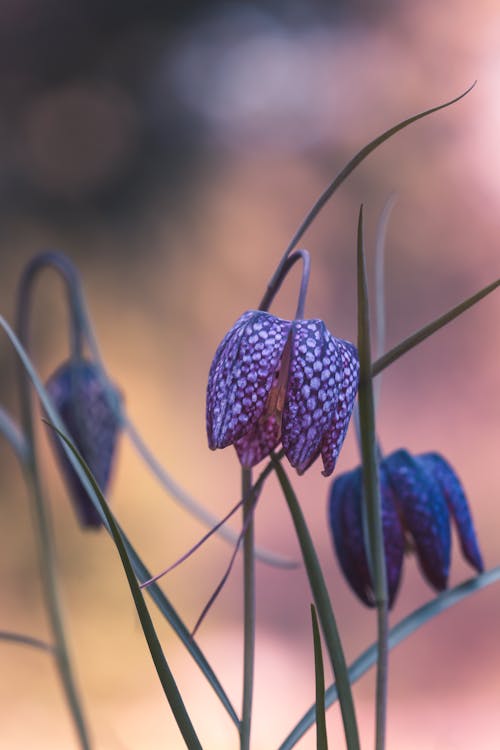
(248, 608)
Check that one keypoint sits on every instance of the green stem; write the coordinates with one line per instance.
(321, 736)
(45, 543)
(248, 609)
(371, 491)
(323, 607)
(43, 530)
(406, 627)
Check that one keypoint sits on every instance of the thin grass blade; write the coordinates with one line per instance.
(371, 490)
(162, 669)
(424, 333)
(141, 570)
(319, 672)
(406, 627)
(26, 640)
(324, 609)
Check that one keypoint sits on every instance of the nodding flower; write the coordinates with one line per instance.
(84, 402)
(277, 381)
(419, 495)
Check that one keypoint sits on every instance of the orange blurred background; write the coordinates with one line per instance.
(171, 154)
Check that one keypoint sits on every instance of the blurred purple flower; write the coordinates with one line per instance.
(419, 494)
(84, 402)
(275, 380)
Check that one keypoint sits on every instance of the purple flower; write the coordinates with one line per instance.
(419, 495)
(278, 381)
(84, 403)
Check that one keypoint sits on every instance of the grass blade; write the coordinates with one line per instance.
(26, 640)
(163, 670)
(324, 609)
(371, 490)
(424, 333)
(141, 570)
(321, 738)
(406, 627)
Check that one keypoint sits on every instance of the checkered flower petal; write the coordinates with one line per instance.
(347, 376)
(241, 376)
(312, 394)
(346, 524)
(425, 514)
(273, 381)
(83, 403)
(457, 504)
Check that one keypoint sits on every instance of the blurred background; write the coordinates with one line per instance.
(171, 150)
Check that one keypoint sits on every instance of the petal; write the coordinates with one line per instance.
(394, 537)
(457, 505)
(312, 392)
(347, 369)
(241, 376)
(259, 441)
(83, 401)
(346, 525)
(424, 514)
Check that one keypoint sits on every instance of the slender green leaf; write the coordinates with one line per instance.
(406, 627)
(319, 672)
(424, 333)
(371, 490)
(324, 609)
(162, 669)
(141, 570)
(248, 609)
(357, 159)
(26, 640)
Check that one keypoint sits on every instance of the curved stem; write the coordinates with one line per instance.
(277, 280)
(42, 522)
(350, 167)
(248, 608)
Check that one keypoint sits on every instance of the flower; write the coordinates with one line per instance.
(419, 495)
(84, 402)
(275, 380)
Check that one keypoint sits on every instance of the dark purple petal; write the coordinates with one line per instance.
(346, 525)
(347, 376)
(242, 374)
(424, 513)
(312, 392)
(83, 402)
(262, 438)
(457, 504)
(394, 537)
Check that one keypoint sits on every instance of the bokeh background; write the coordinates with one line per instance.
(171, 149)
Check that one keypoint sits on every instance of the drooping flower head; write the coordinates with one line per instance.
(83, 402)
(419, 495)
(277, 381)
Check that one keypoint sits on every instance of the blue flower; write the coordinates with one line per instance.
(419, 495)
(277, 381)
(84, 402)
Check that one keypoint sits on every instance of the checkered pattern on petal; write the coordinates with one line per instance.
(346, 526)
(259, 441)
(347, 377)
(241, 376)
(457, 504)
(425, 514)
(82, 400)
(312, 392)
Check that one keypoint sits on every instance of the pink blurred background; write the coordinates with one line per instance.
(171, 154)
